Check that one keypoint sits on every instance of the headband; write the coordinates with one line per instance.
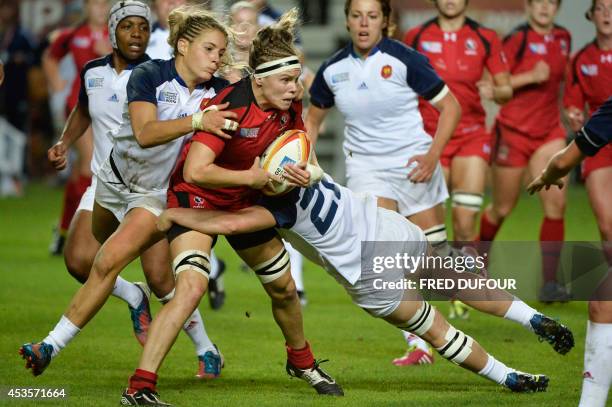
(277, 66)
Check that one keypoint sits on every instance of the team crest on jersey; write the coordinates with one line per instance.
(168, 97)
(249, 133)
(471, 47)
(434, 47)
(340, 77)
(386, 71)
(538, 48)
(198, 202)
(93, 83)
(589, 70)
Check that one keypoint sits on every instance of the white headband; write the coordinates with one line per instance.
(276, 66)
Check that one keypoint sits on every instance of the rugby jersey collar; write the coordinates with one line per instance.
(373, 51)
(109, 60)
(180, 80)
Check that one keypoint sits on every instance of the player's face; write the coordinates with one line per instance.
(451, 8)
(132, 37)
(542, 12)
(365, 22)
(280, 89)
(244, 23)
(97, 11)
(602, 17)
(202, 56)
(164, 7)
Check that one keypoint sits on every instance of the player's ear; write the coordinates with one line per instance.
(259, 82)
(182, 45)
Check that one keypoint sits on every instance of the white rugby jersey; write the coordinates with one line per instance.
(378, 97)
(156, 81)
(158, 47)
(103, 91)
(326, 223)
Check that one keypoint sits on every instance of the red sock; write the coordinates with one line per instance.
(142, 379)
(73, 192)
(488, 229)
(552, 230)
(300, 358)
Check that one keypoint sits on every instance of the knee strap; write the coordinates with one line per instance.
(458, 346)
(467, 200)
(195, 260)
(422, 320)
(274, 268)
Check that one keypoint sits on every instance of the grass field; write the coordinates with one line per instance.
(35, 289)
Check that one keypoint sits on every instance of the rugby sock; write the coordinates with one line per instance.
(552, 230)
(194, 328)
(297, 264)
(488, 229)
(214, 265)
(128, 292)
(521, 313)
(300, 358)
(597, 375)
(142, 379)
(495, 370)
(413, 340)
(73, 191)
(61, 335)
(436, 236)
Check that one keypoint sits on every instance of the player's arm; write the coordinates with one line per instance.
(558, 167)
(499, 90)
(225, 223)
(573, 98)
(537, 75)
(78, 121)
(51, 60)
(313, 122)
(201, 170)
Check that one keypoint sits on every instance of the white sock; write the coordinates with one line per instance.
(194, 328)
(521, 313)
(297, 266)
(412, 339)
(597, 365)
(61, 335)
(128, 292)
(214, 265)
(495, 370)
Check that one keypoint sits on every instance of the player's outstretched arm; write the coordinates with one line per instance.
(558, 167)
(246, 220)
(78, 121)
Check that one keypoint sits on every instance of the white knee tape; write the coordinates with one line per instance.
(195, 260)
(272, 269)
(467, 200)
(422, 320)
(458, 346)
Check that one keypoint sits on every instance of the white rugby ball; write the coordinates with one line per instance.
(291, 147)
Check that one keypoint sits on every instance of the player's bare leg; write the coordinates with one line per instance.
(505, 193)
(467, 190)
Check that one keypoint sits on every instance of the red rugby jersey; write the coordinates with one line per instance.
(589, 78)
(534, 109)
(459, 58)
(78, 41)
(256, 130)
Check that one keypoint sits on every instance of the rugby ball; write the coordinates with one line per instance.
(291, 147)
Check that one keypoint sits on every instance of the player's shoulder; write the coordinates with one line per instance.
(517, 33)
(97, 63)
(586, 51)
(488, 33)
(560, 31)
(238, 94)
(153, 71)
(337, 57)
(400, 51)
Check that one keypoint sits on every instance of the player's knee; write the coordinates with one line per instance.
(77, 265)
(501, 211)
(463, 227)
(600, 311)
(106, 264)
(283, 291)
(422, 321)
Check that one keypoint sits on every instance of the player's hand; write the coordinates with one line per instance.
(425, 167)
(258, 177)
(297, 175)
(486, 90)
(540, 72)
(540, 183)
(164, 222)
(217, 121)
(575, 118)
(58, 156)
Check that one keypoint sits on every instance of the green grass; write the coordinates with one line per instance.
(35, 289)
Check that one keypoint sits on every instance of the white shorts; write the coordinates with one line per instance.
(406, 237)
(114, 195)
(363, 174)
(88, 198)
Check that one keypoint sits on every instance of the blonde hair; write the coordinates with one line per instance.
(275, 41)
(189, 21)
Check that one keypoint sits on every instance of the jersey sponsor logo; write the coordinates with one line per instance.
(113, 98)
(606, 59)
(168, 97)
(589, 70)
(340, 77)
(471, 47)
(363, 86)
(386, 71)
(93, 83)
(538, 48)
(249, 133)
(435, 47)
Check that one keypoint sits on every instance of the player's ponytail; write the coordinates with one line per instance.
(385, 6)
(275, 41)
